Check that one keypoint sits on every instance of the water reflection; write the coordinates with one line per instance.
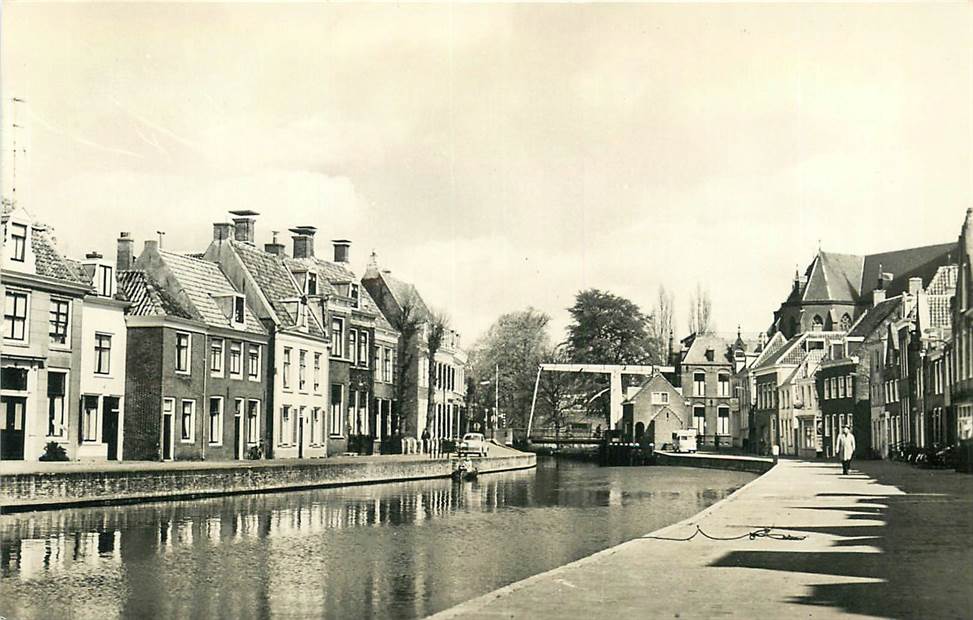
(397, 550)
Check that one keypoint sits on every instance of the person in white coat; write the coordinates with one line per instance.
(846, 448)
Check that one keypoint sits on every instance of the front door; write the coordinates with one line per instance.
(300, 436)
(167, 437)
(238, 436)
(109, 426)
(12, 428)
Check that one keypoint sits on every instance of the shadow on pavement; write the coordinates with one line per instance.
(918, 561)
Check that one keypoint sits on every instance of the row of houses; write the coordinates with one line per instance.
(881, 343)
(232, 352)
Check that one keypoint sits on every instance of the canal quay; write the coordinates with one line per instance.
(890, 540)
(399, 550)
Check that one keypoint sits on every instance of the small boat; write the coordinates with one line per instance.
(464, 471)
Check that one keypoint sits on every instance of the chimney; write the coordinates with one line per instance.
(275, 248)
(915, 286)
(244, 225)
(151, 246)
(222, 231)
(878, 296)
(304, 241)
(123, 256)
(341, 250)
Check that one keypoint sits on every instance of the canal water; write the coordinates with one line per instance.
(386, 551)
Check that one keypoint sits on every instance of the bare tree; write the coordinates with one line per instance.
(664, 319)
(700, 311)
(436, 326)
(557, 392)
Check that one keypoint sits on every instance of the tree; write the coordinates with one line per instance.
(436, 326)
(700, 311)
(607, 329)
(512, 348)
(664, 320)
(556, 392)
(407, 322)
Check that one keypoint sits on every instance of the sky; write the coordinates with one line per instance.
(501, 156)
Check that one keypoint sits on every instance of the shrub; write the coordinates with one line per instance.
(53, 451)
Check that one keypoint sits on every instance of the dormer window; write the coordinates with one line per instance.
(18, 241)
(312, 283)
(106, 281)
(239, 310)
(355, 295)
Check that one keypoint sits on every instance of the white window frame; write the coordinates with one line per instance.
(697, 418)
(660, 398)
(236, 345)
(85, 439)
(353, 346)
(192, 420)
(98, 350)
(722, 421)
(239, 318)
(209, 421)
(302, 370)
(62, 422)
(363, 342)
(336, 411)
(251, 347)
(67, 331)
(286, 420)
(22, 258)
(106, 280)
(697, 390)
(252, 438)
(723, 381)
(337, 344)
(189, 354)
(8, 294)
(213, 371)
(285, 368)
(316, 373)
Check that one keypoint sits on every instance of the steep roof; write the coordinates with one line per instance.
(147, 297)
(873, 318)
(922, 262)
(788, 353)
(49, 262)
(834, 277)
(334, 273)
(203, 282)
(703, 342)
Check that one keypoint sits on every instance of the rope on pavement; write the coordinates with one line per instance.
(764, 532)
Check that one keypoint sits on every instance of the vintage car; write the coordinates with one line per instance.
(472, 443)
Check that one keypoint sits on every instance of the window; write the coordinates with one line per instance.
(253, 422)
(316, 377)
(337, 337)
(841, 387)
(286, 372)
(723, 421)
(187, 423)
(216, 356)
(285, 424)
(182, 352)
(236, 359)
(102, 354)
(216, 421)
(724, 385)
(699, 383)
(56, 390)
(106, 281)
(18, 236)
(660, 398)
(89, 419)
(336, 423)
(817, 323)
(312, 283)
(317, 426)
(845, 322)
(296, 438)
(699, 419)
(15, 316)
(60, 311)
(239, 310)
(363, 348)
(353, 345)
(387, 366)
(253, 362)
(355, 295)
(302, 370)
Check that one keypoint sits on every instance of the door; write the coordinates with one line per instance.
(238, 436)
(300, 437)
(109, 426)
(167, 437)
(12, 428)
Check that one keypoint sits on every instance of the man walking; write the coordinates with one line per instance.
(846, 448)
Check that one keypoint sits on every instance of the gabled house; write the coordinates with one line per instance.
(654, 412)
(299, 419)
(363, 343)
(41, 359)
(446, 416)
(197, 360)
(961, 339)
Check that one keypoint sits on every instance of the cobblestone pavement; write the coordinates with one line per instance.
(889, 540)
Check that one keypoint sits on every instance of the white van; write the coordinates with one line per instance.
(684, 440)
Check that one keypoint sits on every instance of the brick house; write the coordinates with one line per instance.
(299, 423)
(961, 339)
(448, 410)
(42, 341)
(360, 366)
(197, 360)
(654, 412)
(800, 410)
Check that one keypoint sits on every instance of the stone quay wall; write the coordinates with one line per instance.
(60, 489)
(754, 465)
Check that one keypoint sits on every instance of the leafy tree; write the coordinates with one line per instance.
(607, 329)
(513, 347)
(436, 326)
(408, 323)
(557, 392)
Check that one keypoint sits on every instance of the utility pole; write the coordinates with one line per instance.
(14, 130)
(496, 396)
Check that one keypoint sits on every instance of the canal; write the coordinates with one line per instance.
(398, 550)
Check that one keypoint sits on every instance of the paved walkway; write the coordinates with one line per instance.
(889, 540)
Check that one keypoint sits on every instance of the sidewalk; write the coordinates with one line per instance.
(889, 540)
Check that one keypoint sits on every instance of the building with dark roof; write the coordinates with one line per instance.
(654, 412)
(299, 418)
(836, 289)
(445, 414)
(42, 341)
(198, 363)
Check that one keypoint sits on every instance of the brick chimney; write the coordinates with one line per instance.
(342, 250)
(303, 241)
(915, 286)
(244, 225)
(222, 231)
(124, 257)
(275, 248)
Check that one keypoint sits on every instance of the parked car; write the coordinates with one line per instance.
(472, 443)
